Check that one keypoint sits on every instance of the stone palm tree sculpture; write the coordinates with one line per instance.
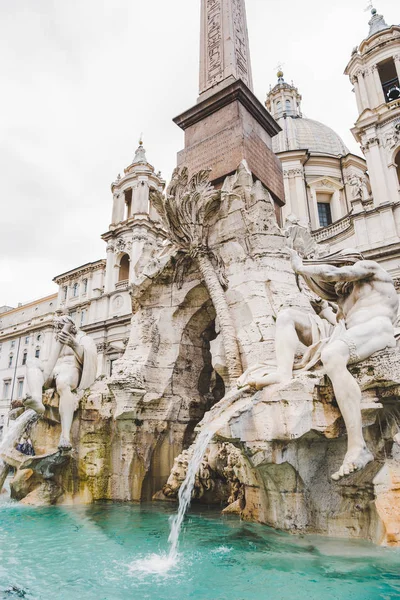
(187, 209)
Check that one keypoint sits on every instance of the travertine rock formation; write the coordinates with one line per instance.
(271, 460)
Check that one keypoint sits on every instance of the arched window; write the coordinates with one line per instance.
(124, 268)
(288, 106)
(75, 290)
(84, 286)
(278, 107)
(37, 353)
(24, 357)
(397, 162)
(10, 361)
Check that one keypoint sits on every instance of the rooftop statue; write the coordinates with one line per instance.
(71, 368)
(367, 311)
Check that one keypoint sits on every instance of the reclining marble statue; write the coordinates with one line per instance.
(367, 311)
(70, 369)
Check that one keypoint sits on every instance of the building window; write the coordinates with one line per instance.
(39, 337)
(24, 357)
(278, 107)
(75, 290)
(82, 319)
(112, 361)
(13, 344)
(389, 80)
(65, 292)
(73, 316)
(128, 203)
(37, 353)
(124, 268)
(324, 214)
(6, 389)
(10, 361)
(20, 388)
(84, 285)
(27, 339)
(288, 107)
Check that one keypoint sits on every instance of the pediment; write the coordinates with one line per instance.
(325, 183)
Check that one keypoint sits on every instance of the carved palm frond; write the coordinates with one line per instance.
(182, 266)
(187, 208)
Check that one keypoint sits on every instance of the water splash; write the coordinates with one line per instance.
(213, 420)
(186, 489)
(154, 564)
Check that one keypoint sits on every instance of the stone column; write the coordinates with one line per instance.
(140, 198)
(109, 284)
(301, 195)
(378, 85)
(363, 90)
(224, 45)
(377, 171)
(118, 206)
(357, 93)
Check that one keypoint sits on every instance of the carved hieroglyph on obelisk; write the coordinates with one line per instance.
(224, 45)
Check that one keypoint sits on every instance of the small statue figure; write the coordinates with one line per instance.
(71, 368)
(359, 188)
(367, 311)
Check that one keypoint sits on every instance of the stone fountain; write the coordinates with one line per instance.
(217, 290)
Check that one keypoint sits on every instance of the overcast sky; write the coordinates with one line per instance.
(83, 78)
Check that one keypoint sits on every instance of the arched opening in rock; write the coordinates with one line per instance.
(195, 387)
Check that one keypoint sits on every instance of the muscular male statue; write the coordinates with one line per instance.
(368, 305)
(70, 369)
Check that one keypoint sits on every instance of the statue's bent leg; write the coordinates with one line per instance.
(292, 326)
(66, 381)
(35, 381)
(335, 358)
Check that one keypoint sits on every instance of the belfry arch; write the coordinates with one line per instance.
(124, 263)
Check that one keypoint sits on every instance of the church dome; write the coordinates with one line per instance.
(299, 133)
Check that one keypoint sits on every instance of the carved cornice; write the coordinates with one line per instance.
(75, 274)
(236, 91)
(101, 347)
(373, 141)
(292, 172)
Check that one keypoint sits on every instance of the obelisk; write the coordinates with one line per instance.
(224, 47)
(228, 123)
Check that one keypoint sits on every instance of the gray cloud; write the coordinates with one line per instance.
(83, 78)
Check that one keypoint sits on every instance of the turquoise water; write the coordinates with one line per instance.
(105, 552)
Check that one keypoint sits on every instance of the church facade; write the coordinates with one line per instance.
(346, 200)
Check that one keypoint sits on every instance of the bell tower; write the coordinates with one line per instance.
(374, 71)
(135, 233)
